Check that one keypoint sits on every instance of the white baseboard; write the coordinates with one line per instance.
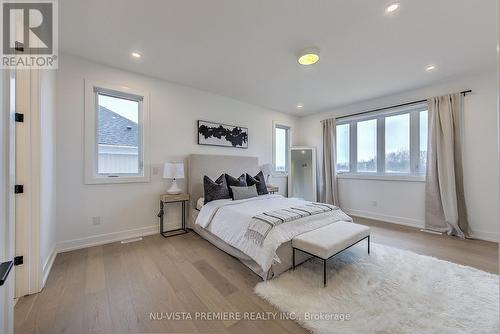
(47, 266)
(476, 234)
(107, 238)
(485, 235)
(386, 218)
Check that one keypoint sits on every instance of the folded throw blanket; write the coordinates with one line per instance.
(263, 223)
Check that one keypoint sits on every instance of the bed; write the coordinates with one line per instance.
(223, 222)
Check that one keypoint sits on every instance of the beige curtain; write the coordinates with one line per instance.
(328, 189)
(445, 209)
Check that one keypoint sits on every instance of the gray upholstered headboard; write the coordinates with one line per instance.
(213, 166)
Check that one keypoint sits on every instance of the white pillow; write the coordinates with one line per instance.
(200, 203)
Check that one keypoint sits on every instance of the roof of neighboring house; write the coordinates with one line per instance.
(114, 129)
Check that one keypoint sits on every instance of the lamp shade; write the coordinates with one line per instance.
(173, 170)
(267, 169)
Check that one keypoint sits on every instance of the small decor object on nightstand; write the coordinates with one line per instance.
(173, 170)
(165, 199)
(272, 189)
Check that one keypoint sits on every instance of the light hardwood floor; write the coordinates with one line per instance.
(113, 288)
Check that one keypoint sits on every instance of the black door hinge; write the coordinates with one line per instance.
(19, 46)
(18, 260)
(18, 189)
(19, 117)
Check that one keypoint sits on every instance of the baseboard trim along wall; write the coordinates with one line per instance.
(475, 234)
(107, 238)
(485, 235)
(47, 266)
(386, 218)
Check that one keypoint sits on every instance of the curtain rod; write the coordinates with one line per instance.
(464, 92)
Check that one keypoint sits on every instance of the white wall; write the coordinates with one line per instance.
(130, 209)
(403, 201)
(47, 170)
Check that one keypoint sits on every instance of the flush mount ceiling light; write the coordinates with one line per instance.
(308, 56)
(136, 55)
(393, 7)
(430, 68)
(300, 106)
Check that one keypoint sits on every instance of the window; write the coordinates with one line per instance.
(115, 126)
(117, 135)
(423, 128)
(367, 146)
(389, 143)
(397, 144)
(281, 147)
(343, 148)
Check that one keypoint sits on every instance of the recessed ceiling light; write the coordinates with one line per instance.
(430, 68)
(308, 56)
(392, 8)
(300, 106)
(136, 55)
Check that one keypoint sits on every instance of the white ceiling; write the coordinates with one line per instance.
(246, 49)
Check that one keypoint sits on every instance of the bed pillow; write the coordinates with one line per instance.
(235, 182)
(244, 192)
(260, 183)
(199, 203)
(215, 190)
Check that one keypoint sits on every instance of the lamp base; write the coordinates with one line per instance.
(174, 188)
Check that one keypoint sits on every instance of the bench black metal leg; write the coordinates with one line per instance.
(324, 260)
(324, 273)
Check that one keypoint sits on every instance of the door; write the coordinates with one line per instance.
(7, 205)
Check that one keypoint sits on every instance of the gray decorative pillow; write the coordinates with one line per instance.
(260, 182)
(244, 192)
(215, 190)
(237, 182)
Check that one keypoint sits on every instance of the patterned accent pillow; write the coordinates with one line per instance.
(260, 182)
(215, 190)
(235, 182)
(244, 192)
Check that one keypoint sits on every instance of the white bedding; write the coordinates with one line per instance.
(229, 221)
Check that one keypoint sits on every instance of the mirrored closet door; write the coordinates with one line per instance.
(302, 175)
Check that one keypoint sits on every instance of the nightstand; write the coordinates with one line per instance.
(165, 199)
(272, 189)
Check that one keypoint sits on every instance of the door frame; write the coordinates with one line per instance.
(27, 208)
(7, 198)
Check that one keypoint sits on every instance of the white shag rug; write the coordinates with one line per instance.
(389, 291)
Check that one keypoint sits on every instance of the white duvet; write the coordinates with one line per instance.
(229, 221)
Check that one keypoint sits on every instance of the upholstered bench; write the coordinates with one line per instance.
(330, 240)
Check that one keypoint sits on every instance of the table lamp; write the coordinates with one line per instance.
(267, 170)
(173, 171)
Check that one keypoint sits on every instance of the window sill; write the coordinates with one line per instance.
(116, 180)
(382, 177)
